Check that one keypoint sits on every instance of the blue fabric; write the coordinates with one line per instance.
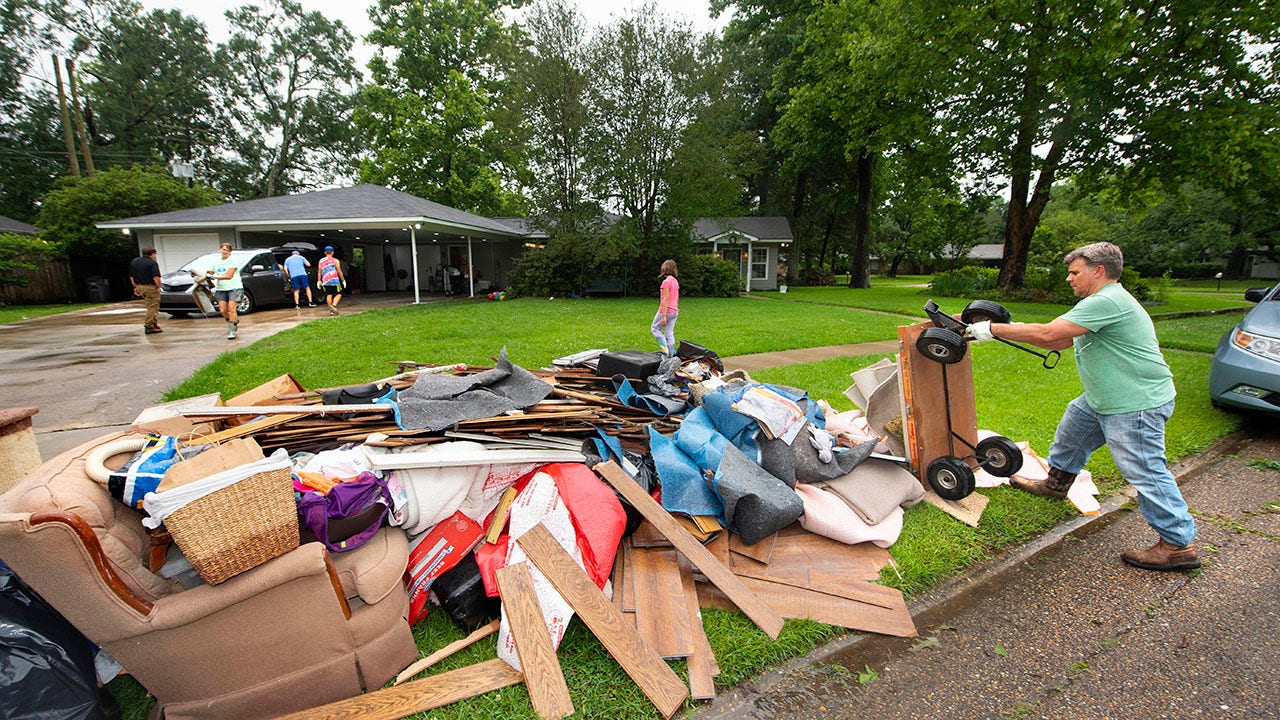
(144, 471)
(1136, 441)
(684, 489)
(656, 404)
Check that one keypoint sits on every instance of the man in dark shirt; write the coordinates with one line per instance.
(144, 275)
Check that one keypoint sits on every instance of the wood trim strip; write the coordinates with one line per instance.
(549, 694)
(97, 556)
(659, 683)
(418, 696)
(444, 652)
(337, 584)
(760, 613)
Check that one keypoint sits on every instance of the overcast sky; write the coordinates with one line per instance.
(354, 14)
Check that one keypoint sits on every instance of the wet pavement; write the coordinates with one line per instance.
(1062, 629)
(92, 371)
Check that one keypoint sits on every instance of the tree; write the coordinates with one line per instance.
(21, 255)
(437, 118)
(1037, 91)
(151, 81)
(555, 85)
(286, 83)
(644, 94)
(31, 153)
(69, 211)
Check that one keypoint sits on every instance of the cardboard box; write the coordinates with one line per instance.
(228, 455)
(167, 419)
(265, 394)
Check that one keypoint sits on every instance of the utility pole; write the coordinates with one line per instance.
(79, 116)
(67, 134)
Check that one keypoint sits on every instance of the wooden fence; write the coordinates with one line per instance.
(50, 283)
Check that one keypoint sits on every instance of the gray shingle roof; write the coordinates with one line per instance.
(362, 202)
(775, 228)
(9, 225)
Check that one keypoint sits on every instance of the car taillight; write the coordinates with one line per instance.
(1267, 347)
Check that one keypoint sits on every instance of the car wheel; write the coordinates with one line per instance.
(246, 304)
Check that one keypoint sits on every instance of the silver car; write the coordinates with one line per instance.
(262, 275)
(1245, 372)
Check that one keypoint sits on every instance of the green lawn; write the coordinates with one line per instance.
(933, 546)
(17, 313)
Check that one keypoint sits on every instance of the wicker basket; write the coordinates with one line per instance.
(238, 527)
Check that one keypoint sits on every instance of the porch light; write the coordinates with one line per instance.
(124, 231)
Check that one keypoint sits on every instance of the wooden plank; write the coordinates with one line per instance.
(498, 519)
(629, 580)
(619, 576)
(646, 535)
(760, 613)
(827, 584)
(802, 604)
(246, 429)
(444, 652)
(660, 613)
(549, 693)
(760, 552)
(797, 557)
(237, 410)
(418, 696)
(702, 663)
(641, 663)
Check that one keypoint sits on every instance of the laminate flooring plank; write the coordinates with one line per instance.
(827, 584)
(618, 579)
(765, 617)
(659, 683)
(548, 691)
(418, 696)
(801, 604)
(702, 663)
(661, 616)
(629, 579)
(444, 652)
(760, 552)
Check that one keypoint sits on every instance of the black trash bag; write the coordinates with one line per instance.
(692, 351)
(646, 477)
(355, 395)
(46, 665)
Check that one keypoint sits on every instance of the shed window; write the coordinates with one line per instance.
(759, 263)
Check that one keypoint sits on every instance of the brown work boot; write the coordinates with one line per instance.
(1054, 486)
(1163, 556)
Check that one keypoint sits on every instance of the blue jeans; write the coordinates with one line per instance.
(1136, 441)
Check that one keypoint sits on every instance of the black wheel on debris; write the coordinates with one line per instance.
(980, 310)
(942, 345)
(950, 477)
(999, 456)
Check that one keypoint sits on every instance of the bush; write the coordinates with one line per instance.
(965, 282)
(20, 255)
(544, 272)
(817, 277)
(709, 276)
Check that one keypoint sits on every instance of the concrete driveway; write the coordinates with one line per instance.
(92, 371)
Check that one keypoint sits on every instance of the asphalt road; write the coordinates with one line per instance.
(1063, 629)
(92, 371)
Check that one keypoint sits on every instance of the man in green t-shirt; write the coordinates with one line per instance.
(1128, 397)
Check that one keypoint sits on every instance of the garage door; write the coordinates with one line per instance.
(174, 251)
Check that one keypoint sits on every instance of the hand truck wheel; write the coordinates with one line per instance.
(980, 310)
(999, 456)
(950, 477)
(942, 345)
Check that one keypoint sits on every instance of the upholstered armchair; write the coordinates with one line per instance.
(298, 631)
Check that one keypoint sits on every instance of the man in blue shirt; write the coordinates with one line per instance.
(296, 268)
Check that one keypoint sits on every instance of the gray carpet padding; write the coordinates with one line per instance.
(436, 402)
(756, 504)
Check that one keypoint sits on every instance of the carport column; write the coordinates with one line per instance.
(749, 266)
(471, 268)
(413, 244)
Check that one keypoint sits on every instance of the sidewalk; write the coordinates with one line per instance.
(1061, 628)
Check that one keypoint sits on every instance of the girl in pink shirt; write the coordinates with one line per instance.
(664, 323)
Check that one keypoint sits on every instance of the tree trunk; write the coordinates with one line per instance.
(859, 270)
(1236, 260)
(67, 133)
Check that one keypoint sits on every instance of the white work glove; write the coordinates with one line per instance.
(823, 442)
(979, 331)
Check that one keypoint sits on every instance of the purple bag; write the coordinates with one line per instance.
(350, 514)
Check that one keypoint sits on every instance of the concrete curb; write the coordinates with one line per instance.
(730, 705)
